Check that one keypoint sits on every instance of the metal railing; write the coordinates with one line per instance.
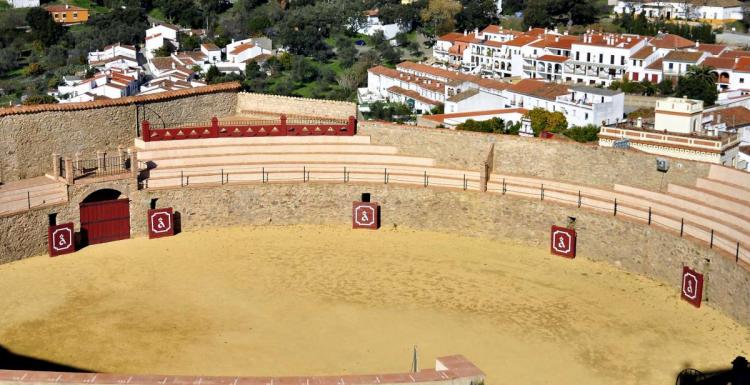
(83, 168)
(16, 201)
(627, 209)
(321, 173)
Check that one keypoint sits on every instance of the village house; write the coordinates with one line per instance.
(110, 84)
(67, 14)
(681, 129)
(159, 35)
(23, 3)
(711, 11)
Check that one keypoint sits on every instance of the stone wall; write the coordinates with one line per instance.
(562, 160)
(634, 247)
(453, 149)
(252, 104)
(28, 139)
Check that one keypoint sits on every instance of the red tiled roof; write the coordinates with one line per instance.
(742, 64)
(683, 56)
(719, 62)
(242, 48)
(643, 53)
(553, 58)
(671, 41)
(539, 89)
(384, 71)
(656, 65)
(522, 41)
(556, 41)
(734, 54)
(210, 47)
(732, 116)
(62, 8)
(412, 94)
(713, 49)
(215, 88)
(442, 117)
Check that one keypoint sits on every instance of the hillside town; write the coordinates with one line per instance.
(543, 80)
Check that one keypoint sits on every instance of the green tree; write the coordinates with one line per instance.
(698, 83)
(583, 134)
(439, 17)
(43, 27)
(476, 14)
(665, 87)
(536, 14)
(543, 120)
(39, 99)
(212, 74)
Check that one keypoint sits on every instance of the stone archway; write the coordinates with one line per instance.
(105, 217)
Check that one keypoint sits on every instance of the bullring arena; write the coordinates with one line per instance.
(266, 279)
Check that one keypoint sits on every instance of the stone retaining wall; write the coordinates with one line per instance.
(561, 160)
(28, 138)
(260, 104)
(634, 247)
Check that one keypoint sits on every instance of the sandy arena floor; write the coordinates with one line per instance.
(309, 300)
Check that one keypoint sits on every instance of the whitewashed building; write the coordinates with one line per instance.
(681, 129)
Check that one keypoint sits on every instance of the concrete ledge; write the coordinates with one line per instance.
(449, 370)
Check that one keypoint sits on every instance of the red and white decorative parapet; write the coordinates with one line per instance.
(249, 128)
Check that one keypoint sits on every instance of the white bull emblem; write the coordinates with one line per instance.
(562, 241)
(62, 239)
(160, 222)
(364, 215)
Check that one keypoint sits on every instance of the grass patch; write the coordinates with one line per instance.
(156, 13)
(4, 5)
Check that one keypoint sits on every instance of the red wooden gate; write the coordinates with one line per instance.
(105, 221)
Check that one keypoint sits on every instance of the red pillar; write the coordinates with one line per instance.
(146, 130)
(284, 128)
(351, 128)
(214, 127)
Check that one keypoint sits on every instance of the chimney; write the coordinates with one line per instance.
(173, 66)
(736, 60)
(697, 44)
(67, 6)
(639, 122)
(565, 33)
(465, 33)
(557, 39)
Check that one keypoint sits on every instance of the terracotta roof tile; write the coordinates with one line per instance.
(683, 56)
(216, 88)
(670, 41)
(412, 94)
(553, 58)
(643, 53)
(732, 116)
(539, 89)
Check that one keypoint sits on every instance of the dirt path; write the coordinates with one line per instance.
(328, 300)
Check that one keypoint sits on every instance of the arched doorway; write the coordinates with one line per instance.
(105, 217)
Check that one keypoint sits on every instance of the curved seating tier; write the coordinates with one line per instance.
(291, 159)
(715, 212)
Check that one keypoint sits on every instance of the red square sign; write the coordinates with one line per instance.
(563, 242)
(692, 286)
(160, 223)
(365, 215)
(61, 239)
